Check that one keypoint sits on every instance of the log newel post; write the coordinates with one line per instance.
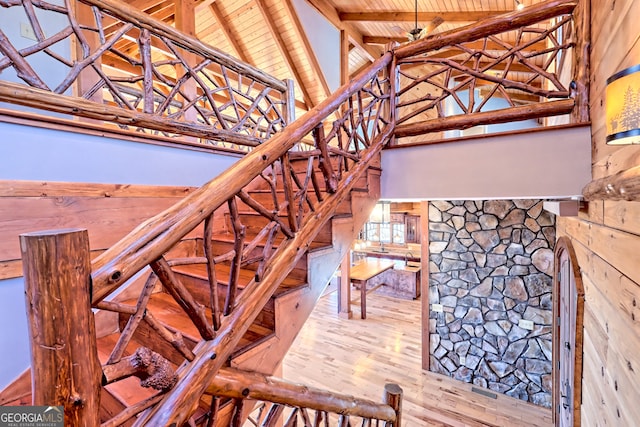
(393, 397)
(64, 360)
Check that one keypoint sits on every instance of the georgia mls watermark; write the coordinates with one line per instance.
(31, 416)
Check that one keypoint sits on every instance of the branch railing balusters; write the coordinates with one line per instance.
(239, 231)
(356, 137)
(210, 262)
(243, 105)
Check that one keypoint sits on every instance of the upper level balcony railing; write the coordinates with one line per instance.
(125, 67)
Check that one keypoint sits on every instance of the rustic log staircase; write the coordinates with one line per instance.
(209, 294)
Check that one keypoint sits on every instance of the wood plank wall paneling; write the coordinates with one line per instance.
(606, 244)
(615, 46)
(108, 211)
(606, 238)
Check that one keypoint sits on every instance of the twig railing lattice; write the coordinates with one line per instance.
(515, 57)
(342, 151)
(342, 136)
(169, 82)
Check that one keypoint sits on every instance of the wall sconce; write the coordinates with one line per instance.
(623, 107)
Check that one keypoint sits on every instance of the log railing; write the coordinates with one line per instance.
(342, 135)
(295, 402)
(348, 130)
(515, 57)
(150, 77)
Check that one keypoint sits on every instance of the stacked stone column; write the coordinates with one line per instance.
(491, 265)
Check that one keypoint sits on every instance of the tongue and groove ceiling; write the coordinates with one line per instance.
(271, 35)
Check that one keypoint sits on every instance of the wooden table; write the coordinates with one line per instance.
(362, 272)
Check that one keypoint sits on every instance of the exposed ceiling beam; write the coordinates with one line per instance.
(422, 16)
(285, 52)
(306, 45)
(226, 30)
(355, 36)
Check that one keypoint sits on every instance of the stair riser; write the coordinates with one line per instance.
(222, 247)
(256, 223)
(199, 288)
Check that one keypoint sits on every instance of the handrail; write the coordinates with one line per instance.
(155, 236)
(348, 130)
(126, 12)
(238, 384)
(182, 85)
(486, 27)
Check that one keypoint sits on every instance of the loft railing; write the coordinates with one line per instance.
(449, 81)
(130, 69)
(343, 134)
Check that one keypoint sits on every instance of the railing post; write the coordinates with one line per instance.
(290, 102)
(393, 397)
(391, 73)
(64, 362)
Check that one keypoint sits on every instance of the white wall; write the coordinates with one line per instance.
(324, 39)
(30, 153)
(51, 71)
(546, 164)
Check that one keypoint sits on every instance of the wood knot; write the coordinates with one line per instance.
(153, 370)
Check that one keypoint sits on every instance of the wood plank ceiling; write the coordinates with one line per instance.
(269, 34)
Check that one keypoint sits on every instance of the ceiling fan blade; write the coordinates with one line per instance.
(431, 26)
(398, 30)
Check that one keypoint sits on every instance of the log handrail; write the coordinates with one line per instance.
(348, 130)
(486, 27)
(624, 185)
(157, 235)
(131, 14)
(170, 82)
(238, 384)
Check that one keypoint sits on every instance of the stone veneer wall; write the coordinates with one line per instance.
(490, 265)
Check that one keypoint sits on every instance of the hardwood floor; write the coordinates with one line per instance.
(359, 356)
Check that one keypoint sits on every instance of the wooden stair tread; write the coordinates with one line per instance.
(223, 270)
(169, 313)
(230, 238)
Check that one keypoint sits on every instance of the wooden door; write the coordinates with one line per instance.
(568, 297)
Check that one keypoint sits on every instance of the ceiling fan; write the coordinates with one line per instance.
(416, 32)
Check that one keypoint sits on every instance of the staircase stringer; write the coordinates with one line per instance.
(293, 309)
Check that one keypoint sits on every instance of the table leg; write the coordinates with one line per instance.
(363, 300)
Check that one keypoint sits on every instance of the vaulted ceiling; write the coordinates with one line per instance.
(271, 35)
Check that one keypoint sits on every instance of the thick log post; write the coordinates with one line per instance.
(65, 366)
(393, 397)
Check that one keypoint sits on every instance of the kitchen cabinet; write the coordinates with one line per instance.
(412, 228)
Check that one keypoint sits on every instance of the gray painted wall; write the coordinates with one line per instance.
(538, 165)
(30, 153)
